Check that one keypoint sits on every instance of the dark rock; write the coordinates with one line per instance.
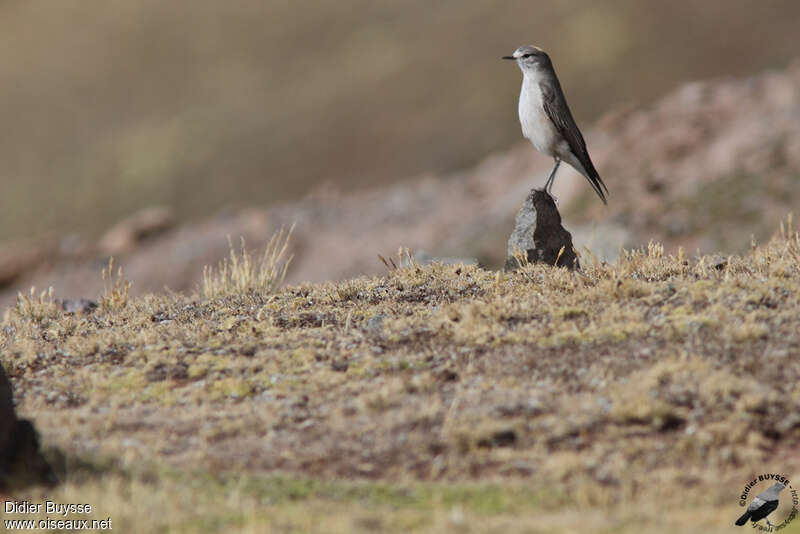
(340, 366)
(539, 234)
(524, 225)
(6, 408)
(718, 262)
(500, 438)
(448, 375)
(21, 460)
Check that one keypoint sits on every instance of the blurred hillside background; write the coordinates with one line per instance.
(111, 106)
(152, 131)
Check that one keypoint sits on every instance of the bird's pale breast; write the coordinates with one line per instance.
(536, 125)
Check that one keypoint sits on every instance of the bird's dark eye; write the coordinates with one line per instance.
(526, 55)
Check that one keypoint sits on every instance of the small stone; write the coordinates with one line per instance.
(449, 375)
(375, 323)
(340, 366)
(538, 234)
(501, 438)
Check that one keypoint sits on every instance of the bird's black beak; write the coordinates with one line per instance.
(508, 57)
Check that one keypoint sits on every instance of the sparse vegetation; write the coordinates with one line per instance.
(36, 307)
(453, 398)
(241, 274)
(115, 290)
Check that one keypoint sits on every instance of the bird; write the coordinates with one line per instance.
(763, 504)
(546, 120)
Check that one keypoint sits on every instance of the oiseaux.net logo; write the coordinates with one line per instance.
(769, 502)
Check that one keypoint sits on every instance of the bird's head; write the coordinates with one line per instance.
(529, 58)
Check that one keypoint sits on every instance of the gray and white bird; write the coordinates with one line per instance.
(546, 120)
(763, 504)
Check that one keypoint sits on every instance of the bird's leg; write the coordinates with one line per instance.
(768, 523)
(549, 183)
(552, 176)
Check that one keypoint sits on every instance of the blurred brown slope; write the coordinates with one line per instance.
(707, 166)
(108, 106)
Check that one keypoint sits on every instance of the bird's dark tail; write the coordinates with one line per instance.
(595, 181)
(598, 185)
(742, 520)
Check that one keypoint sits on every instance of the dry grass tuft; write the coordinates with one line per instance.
(240, 274)
(35, 307)
(115, 295)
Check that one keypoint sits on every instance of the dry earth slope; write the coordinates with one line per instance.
(432, 398)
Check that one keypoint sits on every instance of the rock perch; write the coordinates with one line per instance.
(539, 234)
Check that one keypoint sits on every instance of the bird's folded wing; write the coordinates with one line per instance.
(756, 504)
(555, 106)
